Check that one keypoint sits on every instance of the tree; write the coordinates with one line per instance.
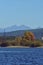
(29, 36)
(18, 40)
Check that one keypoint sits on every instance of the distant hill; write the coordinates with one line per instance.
(37, 32)
(1, 30)
(14, 28)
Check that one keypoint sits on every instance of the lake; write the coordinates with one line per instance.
(21, 56)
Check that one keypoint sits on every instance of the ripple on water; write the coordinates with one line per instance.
(28, 56)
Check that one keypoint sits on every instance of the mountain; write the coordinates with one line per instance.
(1, 30)
(37, 32)
(14, 28)
(19, 31)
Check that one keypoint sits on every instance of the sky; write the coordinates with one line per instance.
(21, 12)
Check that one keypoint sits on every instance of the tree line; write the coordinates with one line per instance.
(28, 39)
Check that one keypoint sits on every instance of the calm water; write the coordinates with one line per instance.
(21, 56)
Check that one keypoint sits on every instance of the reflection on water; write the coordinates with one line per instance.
(21, 56)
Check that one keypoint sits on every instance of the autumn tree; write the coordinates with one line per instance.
(29, 36)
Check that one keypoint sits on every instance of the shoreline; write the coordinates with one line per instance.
(21, 47)
(18, 47)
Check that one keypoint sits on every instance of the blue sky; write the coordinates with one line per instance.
(21, 12)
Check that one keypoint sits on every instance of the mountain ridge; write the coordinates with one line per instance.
(14, 28)
(37, 32)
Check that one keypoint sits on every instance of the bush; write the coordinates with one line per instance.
(11, 42)
(37, 43)
(4, 44)
(31, 43)
(24, 42)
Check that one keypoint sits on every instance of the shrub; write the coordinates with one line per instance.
(4, 44)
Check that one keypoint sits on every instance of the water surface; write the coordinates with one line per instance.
(21, 56)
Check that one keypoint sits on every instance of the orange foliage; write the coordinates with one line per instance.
(29, 36)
